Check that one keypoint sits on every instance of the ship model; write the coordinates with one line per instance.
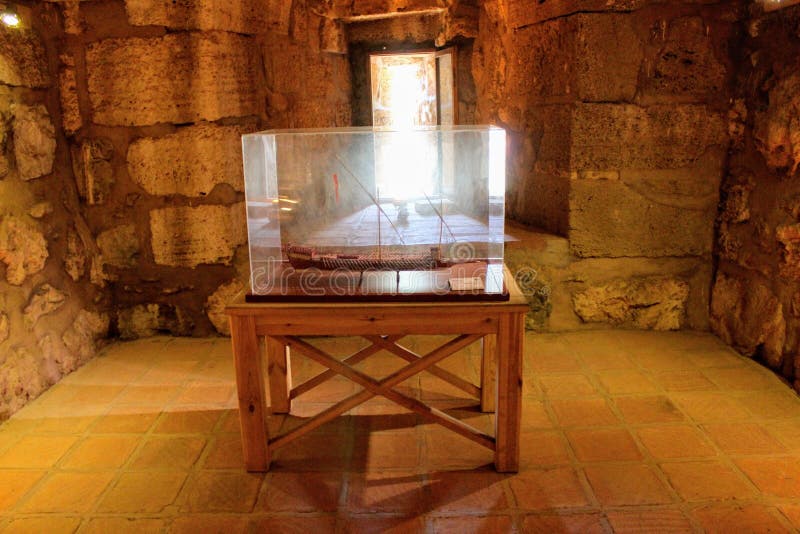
(306, 257)
(301, 257)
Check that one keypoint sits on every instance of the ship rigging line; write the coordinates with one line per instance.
(374, 200)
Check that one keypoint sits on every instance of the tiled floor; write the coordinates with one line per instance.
(622, 432)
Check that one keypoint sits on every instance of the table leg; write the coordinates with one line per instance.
(509, 392)
(280, 379)
(489, 373)
(248, 361)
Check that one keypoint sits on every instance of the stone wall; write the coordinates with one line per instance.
(618, 137)
(155, 97)
(756, 297)
(50, 312)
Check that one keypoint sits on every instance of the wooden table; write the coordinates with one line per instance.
(497, 325)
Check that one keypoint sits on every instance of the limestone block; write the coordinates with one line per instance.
(523, 12)
(686, 64)
(119, 246)
(187, 236)
(189, 162)
(5, 327)
(91, 162)
(609, 55)
(612, 219)
(81, 337)
(178, 78)
(34, 141)
(746, 314)
(20, 380)
(44, 299)
(215, 305)
(247, 16)
(23, 61)
(22, 248)
(645, 303)
(371, 8)
(72, 16)
(615, 136)
(789, 237)
(68, 93)
(75, 260)
(584, 274)
(145, 320)
(40, 209)
(777, 130)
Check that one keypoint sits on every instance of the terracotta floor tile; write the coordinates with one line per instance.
(553, 362)
(583, 412)
(473, 524)
(674, 441)
(212, 524)
(777, 476)
(368, 524)
(302, 492)
(103, 452)
(447, 449)
(168, 453)
(655, 409)
(787, 431)
(602, 360)
(719, 357)
(603, 444)
(222, 491)
(64, 421)
(122, 525)
(187, 422)
(750, 378)
(39, 525)
(543, 448)
(534, 415)
(434, 388)
(686, 380)
(662, 360)
(710, 406)
(566, 385)
(314, 452)
(14, 484)
(395, 449)
(743, 438)
(706, 480)
(546, 489)
(626, 484)
(37, 451)
(741, 519)
(792, 512)
(394, 492)
(142, 491)
(135, 394)
(137, 420)
(206, 393)
(67, 492)
(333, 390)
(771, 404)
(662, 520)
(467, 491)
(563, 523)
(225, 452)
(626, 382)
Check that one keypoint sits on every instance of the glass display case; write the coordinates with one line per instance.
(375, 214)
